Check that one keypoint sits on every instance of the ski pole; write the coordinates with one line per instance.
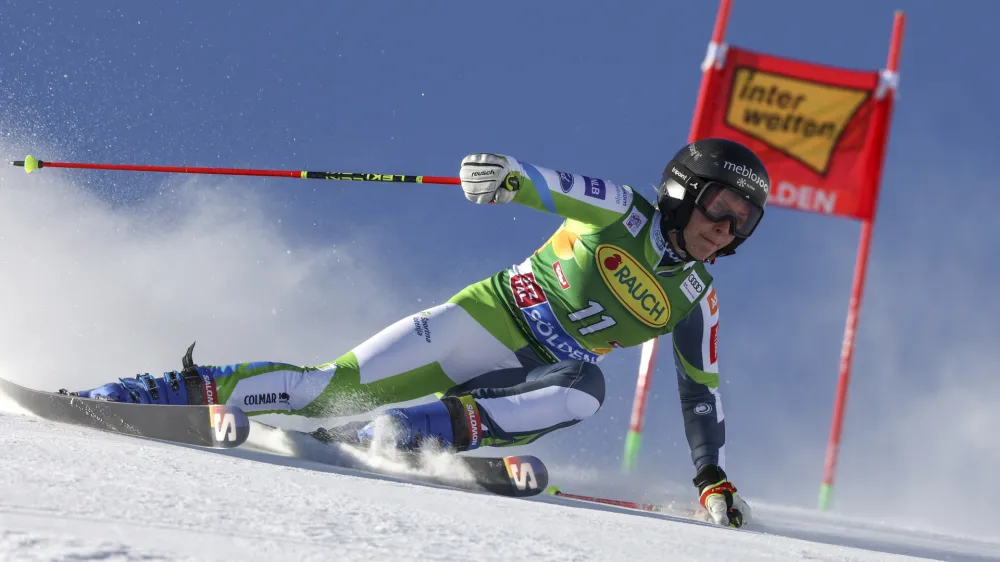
(31, 164)
(555, 491)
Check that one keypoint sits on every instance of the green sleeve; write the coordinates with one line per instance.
(585, 199)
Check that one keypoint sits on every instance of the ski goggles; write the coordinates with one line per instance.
(719, 201)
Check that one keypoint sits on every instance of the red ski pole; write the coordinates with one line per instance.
(31, 164)
(555, 491)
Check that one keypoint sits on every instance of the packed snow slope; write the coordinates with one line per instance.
(73, 493)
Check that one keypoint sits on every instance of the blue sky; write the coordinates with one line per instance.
(125, 269)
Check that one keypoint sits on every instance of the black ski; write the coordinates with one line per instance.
(221, 427)
(511, 475)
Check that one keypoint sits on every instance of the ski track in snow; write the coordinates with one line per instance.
(68, 493)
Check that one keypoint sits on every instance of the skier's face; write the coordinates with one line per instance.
(702, 237)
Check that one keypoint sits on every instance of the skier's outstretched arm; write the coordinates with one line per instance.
(495, 178)
(695, 340)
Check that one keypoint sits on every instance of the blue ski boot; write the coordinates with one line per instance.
(190, 385)
(453, 423)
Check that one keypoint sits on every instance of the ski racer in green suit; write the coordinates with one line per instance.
(516, 356)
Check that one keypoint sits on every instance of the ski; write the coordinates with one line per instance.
(515, 476)
(220, 427)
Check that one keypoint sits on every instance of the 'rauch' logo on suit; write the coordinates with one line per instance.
(633, 286)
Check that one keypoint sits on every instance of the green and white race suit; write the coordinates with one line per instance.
(526, 342)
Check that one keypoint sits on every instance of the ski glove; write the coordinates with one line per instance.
(488, 178)
(718, 497)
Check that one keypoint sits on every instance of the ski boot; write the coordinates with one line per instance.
(453, 423)
(190, 385)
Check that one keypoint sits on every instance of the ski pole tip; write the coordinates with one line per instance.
(30, 164)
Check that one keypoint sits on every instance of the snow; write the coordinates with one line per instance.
(73, 493)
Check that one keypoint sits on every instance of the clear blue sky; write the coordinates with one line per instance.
(605, 89)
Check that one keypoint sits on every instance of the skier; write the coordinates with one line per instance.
(515, 356)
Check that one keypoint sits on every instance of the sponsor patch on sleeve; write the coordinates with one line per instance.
(634, 221)
(713, 303)
(595, 188)
(713, 345)
(693, 287)
(623, 196)
(566, 181)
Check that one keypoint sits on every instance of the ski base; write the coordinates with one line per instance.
(219, 427)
